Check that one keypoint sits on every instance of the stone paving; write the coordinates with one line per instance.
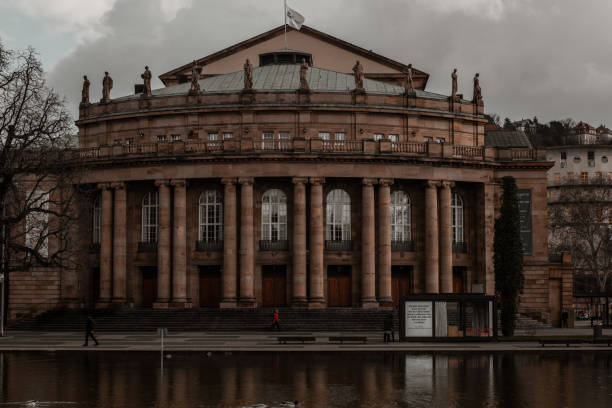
(267, 341)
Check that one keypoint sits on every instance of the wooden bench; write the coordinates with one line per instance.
(603, 340)
(567, 342)
(302, 339)
(342, 339)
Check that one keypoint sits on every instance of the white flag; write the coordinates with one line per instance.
(293, 18)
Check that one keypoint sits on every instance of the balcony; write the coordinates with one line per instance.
(209, 246)
(459, 247)
(269, 245)
(147, 246)
(402, 246)
(345, 245)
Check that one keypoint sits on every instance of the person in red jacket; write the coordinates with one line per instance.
(275, 320)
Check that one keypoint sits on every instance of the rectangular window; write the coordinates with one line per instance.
(426, 139)
(117, 141)
(228, 135)
(563, 155)
(584, 178)
(267, 136)
(129, 141)
(324, 135)
(161, 138)
(284, 135)
(569, 177)
(378, 136)
(213, 136)
(597, 177)
(440, 140)
(591, 159)
(339, 136)
(557, 178)
(176, 138)
(393, 138)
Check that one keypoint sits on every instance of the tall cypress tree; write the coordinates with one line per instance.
(508, 256)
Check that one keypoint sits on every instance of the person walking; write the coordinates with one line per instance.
(388, 328)
(275, 320)
(564, 319)
(89, 331)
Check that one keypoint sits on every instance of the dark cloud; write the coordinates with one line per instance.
(542, 58)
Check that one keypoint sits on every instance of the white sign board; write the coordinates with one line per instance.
(418, 318)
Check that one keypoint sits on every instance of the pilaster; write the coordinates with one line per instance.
(179, 246)
(163, 245)
(230, 254)
(106, 244)
(119, 243)
(299, 242)
(317, 297)
(368, 239)
(446, 238)
(431, 237)
(384, 242)
(247, 250)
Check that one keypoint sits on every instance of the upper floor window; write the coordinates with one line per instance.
(569, 177)
(161, 138)
(440, 140)
(400, 217)
(228, 135)
(563, 155)
(591, 159)
(378, 136)
(176, 137)
(284, 135)
(117, 141)
(149, 217)
(129, 141)
(426, 139)
(597, 177)
(338, 215)
(340, 136)
(267, 135)
(584, 178)
(97, 220)
(324, 135)
(457, 217)
(274, 216)
(210, 226)
(213, 136)
(393, 138)
(557, 178)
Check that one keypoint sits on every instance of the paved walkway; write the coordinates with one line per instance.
(266, 341)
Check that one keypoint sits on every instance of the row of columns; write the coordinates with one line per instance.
(172, 242)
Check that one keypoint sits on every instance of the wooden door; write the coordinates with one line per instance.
(149, 285)
(274, 285)
(211, 289)
(401, 284)
(458, 278)
(554, 298)
(338, 286)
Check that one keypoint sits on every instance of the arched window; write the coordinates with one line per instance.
(149, 217)
(211, 216)
(338, 214)
(97, 220)
(274, 216)
(457, 218)
(401, 230)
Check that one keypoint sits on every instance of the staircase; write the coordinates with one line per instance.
(330, 319)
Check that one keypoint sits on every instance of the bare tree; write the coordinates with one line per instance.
(37, 170)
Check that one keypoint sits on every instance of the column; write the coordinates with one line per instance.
(119, 243)
(163, 245)
(487, 232)
(368, 239)
(446, 239)
(299, 241)
(384, 242)
(431, 237)
(179, 245)
(106, 242)
(317, 298)
(229, 243)
(247, 250)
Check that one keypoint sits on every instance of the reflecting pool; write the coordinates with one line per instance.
(349, 379)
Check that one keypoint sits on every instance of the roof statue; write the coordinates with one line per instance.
(409, 81)
(248, 76)
(477, 90)
(85, 91)
(195, 78)
(304, 76)
(107, 85)
(147, 82)
(358, 72)
(454, 88)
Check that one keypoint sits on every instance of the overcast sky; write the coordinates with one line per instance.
(546, 58)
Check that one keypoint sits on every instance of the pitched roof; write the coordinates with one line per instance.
(507, 138)
(306, 30)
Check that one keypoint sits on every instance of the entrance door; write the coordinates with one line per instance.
(211, 290)
(458, 279)
(338, 285)
(149, 285)
(400, 282)
(274, 285)
(554, 299)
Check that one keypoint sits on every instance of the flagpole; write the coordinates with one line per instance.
(286, 47)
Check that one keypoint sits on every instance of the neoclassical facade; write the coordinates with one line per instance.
(264, 193)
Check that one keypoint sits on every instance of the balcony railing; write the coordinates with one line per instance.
(209, 246)
(416, 148)
(468, 151)
(147, 247)
(280, 145)
(345, 245)
(342, 146)
(268, 245)
(459, 247)
(203, 146)
(402, 246)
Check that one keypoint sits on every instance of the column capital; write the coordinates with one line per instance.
(228, 180)
(104, 186)
(317, 181)
(118, 185)
(178, 182)
(368, 181)
(432, 183)
(163, 182)
(385, 181)
(299, 180)
(246, 180)
(448, 184)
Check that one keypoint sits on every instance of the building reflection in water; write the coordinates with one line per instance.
(315, 379)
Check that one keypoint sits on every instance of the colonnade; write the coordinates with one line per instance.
(239, 249)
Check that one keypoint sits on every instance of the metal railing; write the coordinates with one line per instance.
(402, 246)
(269, 245)
(209, 246)
(345, 245)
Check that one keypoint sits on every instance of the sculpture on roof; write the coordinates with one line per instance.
(477, 91)
(454, 89)
(195, 78)
(85, 91)
(409, 82)
(147, 82)
(304, 76)
(107, 85)
(358, 72)
(248, 76)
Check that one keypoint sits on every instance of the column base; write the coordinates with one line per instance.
(180, 304)
(119, 303)
(247, 303)
(299, 302)
(317, 303)
(228, 303)
(369, 303)
(385, 302)
(103, 304)
(161, 305)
